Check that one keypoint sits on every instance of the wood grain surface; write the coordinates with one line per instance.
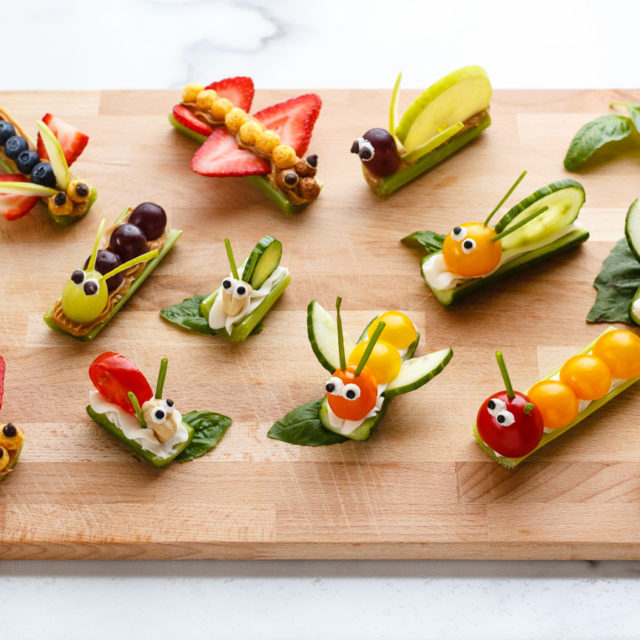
(420, 487)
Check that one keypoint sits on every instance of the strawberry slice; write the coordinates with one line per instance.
(12, 206)
(3, 368)
(71, 140)
(293, 120)
(220, 156)
(239, 90)
(187, 119)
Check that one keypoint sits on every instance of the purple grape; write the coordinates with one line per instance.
(106, 261)
(151, 218)
(378, 152)
(128, 241)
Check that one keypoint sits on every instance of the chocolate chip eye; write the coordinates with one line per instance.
(468, 245)
(491, 405)
(82, 189)
(505, 418)
(60, 198)
(291, 178)
(312, 160)
(90, 287)
(227, 284)
(77, 276)
(355, 147)
(169, 402)
(501, 419)
(459, 233)
(9, 430)
(334, 386)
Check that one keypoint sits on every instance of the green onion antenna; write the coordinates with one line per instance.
(370, 345)
(138, 410)
(505, 375)
(162, 374)
(506, 195)
(232, 262)
(343, 360)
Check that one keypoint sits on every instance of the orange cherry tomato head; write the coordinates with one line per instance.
(620, 351)
(557, 403)
(351, 397)
(587, 376)
(399, 331)
(468, 250)
(384, 361)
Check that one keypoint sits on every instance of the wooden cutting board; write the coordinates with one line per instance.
(420, 487)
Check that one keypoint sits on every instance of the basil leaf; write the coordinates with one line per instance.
(186, 314)
(616, 283)
(634, 111)
(208, 429)
(594, 135)
(430, 241)
(302, 426)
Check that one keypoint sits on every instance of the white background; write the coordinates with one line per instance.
(67, 44)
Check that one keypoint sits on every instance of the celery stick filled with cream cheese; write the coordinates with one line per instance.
(238, 306)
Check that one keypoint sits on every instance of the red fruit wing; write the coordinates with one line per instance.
(293, 120)
(3, 368)
(187, 119)
(220, 156)
(13, 206)
(71, 140)
(239, 90)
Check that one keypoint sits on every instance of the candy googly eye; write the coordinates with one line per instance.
(351, 391)
(241, 291)
(334, 386)
(495, 406)
(91, 287)
(291, 178)
(459, 233)
(78, 276)
(366, 151)
(468, 245)
(505, 418)
(227, 283)
(168, 405)
(159, 415)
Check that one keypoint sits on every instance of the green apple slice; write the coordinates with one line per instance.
(56, 156)
(393, 107)
(27, 189)
(430, 145)
(454, 98)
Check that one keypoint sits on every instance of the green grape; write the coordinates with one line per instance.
(85, 296)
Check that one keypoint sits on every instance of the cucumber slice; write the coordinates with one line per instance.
(363, 432)
(418, 371)
(456, 97)
(262, 261)
(564, 199)
(322, 330)
(632, 228)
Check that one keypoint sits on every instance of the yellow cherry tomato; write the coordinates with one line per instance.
(384, 361)
(399, 330)
(468, 250)
(620, 351)
(587, 376)
(556, 401)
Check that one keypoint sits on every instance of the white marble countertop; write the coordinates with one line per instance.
(82, 44)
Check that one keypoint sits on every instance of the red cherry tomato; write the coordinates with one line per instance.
(505, 426)
(114, 376)
(351, 397)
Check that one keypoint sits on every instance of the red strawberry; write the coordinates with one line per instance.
(221, 156)
(12, 206)
(293, 120)
(3, 368)
(187, 119)
(71, 140)
(239, 90)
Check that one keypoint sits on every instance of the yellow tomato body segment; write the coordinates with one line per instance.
(557, 403)
(469, 250)
(384, 361)
(399, 331)
(620, 351)
(587, 376)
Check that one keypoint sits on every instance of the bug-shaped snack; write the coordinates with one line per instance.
(11, 436)
(474, 254)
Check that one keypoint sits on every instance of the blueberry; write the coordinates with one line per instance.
(43, 174)
(6, 131)
(14, 146)
(27, 160)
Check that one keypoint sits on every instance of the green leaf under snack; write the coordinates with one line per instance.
(303, 426)
(634, 111)
(617, 282)
(430, 241)
(593, 135)
(186, 314)
(208, 429)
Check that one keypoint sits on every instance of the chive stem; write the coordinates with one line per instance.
(618, 104)
(162, 373)
(138, 410)
(370, 345)
(505, 374)
(232, 262)
(130, 263)
(520, 224)
(506, 195)
(94, 252)
(343, 359)
(528, 408)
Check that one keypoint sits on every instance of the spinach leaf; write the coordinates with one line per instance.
(634, 111)
(208, 429)
(186, 314)
(616, 283)
(303, 426)
(430, 241)
(593, 135)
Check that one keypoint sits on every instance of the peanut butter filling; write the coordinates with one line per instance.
(78, 329)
